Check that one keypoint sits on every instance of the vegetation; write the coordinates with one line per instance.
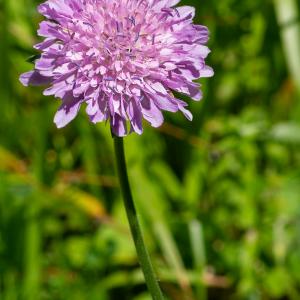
(219, 197)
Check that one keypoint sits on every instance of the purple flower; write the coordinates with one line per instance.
(122, 57)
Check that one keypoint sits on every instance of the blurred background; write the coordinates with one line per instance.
(219, 197)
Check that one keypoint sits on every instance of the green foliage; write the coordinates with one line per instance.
(219, 198)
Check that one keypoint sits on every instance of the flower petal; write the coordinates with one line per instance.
(34, 78)
(67, 111)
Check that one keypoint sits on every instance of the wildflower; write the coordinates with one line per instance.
(123, 58)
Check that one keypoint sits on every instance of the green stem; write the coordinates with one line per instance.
(136, 232)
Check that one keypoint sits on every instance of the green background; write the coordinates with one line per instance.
(219, 197)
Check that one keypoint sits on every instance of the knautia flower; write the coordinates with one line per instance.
(122, 57)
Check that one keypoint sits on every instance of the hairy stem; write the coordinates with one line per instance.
(135, 228)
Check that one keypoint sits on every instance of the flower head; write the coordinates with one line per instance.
(122, 57)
